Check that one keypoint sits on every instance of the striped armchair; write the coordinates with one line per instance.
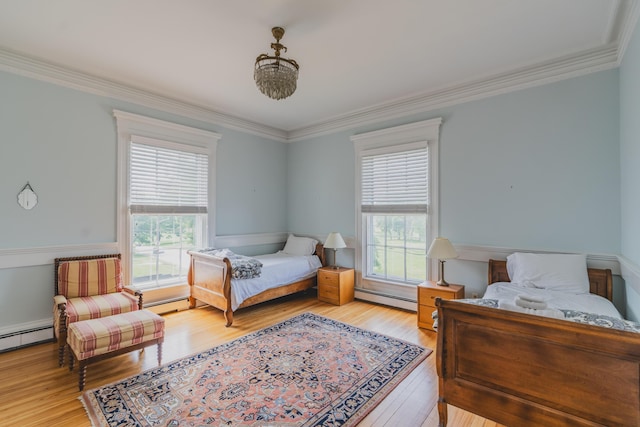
(88, 287)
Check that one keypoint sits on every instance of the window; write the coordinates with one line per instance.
(168, 204)
(165, 198)
(396, 185)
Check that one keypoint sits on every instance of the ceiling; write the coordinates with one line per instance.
(359, 59)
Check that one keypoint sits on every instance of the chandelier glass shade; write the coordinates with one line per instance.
(275, 76)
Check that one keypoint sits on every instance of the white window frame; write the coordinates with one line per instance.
(399, 138)
(131, 125)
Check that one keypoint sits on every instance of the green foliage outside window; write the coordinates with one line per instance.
(160, 245)
(398, 247)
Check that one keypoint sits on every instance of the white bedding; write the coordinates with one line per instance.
(506, 292)
(277, 269)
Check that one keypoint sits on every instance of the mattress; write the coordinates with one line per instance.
(278, 269)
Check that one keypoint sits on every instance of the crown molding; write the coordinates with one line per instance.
(628, 14)
(586, 62)
(52, 73)
(621, 26)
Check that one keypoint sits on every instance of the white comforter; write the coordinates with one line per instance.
(506, 292)
(277, 269)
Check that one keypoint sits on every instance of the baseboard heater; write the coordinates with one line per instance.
(37, 335)
(168, 306)
(367, 295)
(26, 338)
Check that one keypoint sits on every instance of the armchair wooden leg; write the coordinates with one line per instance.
(82, 374)
(61, 355)
(159, 353)
(71, 360)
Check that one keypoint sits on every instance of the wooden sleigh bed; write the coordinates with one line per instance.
(525, 370)
(210, 282)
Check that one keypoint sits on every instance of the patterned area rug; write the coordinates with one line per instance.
(306, 371)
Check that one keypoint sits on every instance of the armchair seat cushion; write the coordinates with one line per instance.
(97, 306)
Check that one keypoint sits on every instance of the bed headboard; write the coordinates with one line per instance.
(600, 280)
(320, 253)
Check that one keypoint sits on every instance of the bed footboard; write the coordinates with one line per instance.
(522, 370)
(210, 282)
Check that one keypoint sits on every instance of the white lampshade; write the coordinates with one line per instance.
(334, 241)
(442, 248)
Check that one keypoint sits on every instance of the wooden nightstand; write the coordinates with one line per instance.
(335, 286)
(427, 293)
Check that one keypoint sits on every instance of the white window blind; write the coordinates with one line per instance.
(167, 181)
(396, 182)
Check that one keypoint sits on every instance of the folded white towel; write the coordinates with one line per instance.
(532, 298)
(549, 312)
(537, 304)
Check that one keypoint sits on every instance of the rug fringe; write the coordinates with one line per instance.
(89, 406)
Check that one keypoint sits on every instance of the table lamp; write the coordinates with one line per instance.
(441, 249)
(334, 241)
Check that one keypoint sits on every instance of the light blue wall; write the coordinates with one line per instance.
(535, 169)
(64, 143)
(321, 189)
(630, 163)
(251, 194)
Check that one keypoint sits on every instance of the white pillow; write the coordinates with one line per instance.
(300, 245)
(560, 272)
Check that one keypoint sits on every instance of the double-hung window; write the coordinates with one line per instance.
(396, 181)
(165, 198)
(168, 202)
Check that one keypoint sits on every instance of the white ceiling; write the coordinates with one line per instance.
(356, 57)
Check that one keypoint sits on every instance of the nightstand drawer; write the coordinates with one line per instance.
(329, 294)
(428, 296)
(428, 292)
(329, 278)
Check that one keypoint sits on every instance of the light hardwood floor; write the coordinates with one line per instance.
(34, 391)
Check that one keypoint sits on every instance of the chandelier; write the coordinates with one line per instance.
(276, 77)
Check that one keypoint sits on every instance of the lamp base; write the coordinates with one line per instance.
(441, 281)
(335, 253)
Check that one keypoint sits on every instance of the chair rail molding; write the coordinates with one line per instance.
(34, 256)
(630, 272)
(485, 253)
(29, 257)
